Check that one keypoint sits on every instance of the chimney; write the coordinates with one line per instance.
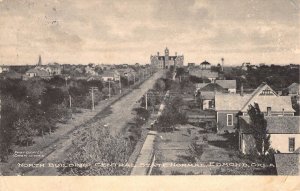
(157, 53)
(242, 89)
(175, 53)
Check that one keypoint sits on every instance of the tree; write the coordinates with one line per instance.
(259, 127)
(24, 132)
(159, 85)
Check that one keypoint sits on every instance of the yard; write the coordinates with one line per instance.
(191, 150)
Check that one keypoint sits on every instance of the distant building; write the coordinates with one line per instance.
(294, 89)
(4, 69)
(166, 61)
(110, 76)
(11, 74)
(205, 65)
(37, 72)
(191, 65)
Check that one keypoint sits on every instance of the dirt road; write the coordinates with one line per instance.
(115, 117)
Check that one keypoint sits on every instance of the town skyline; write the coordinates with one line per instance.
(114, 32)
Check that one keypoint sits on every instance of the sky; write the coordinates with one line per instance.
(129, 31)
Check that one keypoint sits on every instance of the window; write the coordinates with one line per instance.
(268, 111)
(210, 104)
(291, 144)
(229, 119)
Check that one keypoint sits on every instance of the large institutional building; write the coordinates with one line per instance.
(166, 61)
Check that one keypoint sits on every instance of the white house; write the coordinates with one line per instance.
(111, 76)
(284, 133)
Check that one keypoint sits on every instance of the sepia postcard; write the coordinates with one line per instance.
(195, 88)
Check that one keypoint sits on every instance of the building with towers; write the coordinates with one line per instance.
(166, 61)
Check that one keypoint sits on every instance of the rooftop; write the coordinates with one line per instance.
(229, 84)
(275, 124)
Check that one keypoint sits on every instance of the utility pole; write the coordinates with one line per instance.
(92, 89)
(108, 89)
(70, 101)
(120, 85)
(146, 97)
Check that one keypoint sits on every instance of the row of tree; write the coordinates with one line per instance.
(33, 107)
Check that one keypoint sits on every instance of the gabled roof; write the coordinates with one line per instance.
(212, 87)
(11, 74)
(230, 102)
(228, 84)
(241, 103)
(275, 124)
(294, 85)
(277, 103)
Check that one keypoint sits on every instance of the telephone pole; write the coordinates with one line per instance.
(70, 101)
(92, 90)
(146, 97)
(120, 85)
(108, 89)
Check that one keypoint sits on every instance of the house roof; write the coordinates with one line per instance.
(277, 103)
(207, 95)
(205, 63)
(212, 87)
(12, 75)
(294, 88)
(228, 84)
(230, 102)
(287, 163)
(275, 124)
(201, 85)
(294, 85)
(38, 72)
(241, 103)
(108, 74)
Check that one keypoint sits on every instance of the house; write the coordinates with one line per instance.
(229, 85)
(11, 74)
(90, 69)
(4, 69)
(212, 76)
(294, 89)
(207, 94)
(53, 69)
(205, 65)
(284, 133)
(227, 106)
(110, 76)
(37, 72)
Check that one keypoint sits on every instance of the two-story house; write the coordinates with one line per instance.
(228, 106)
